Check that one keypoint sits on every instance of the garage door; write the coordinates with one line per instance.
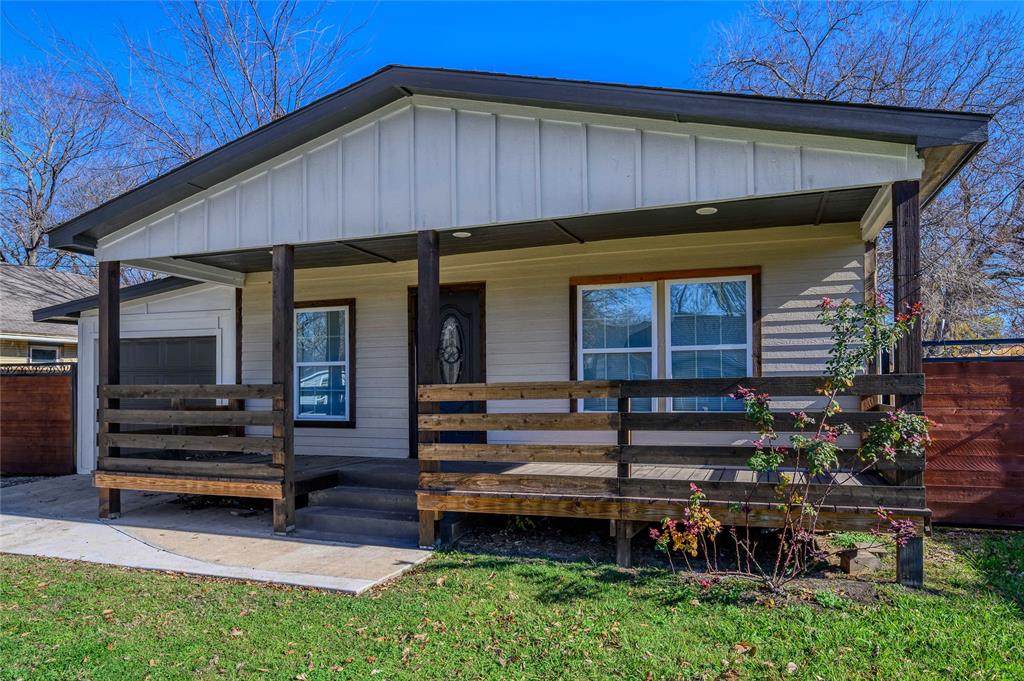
(188, 360)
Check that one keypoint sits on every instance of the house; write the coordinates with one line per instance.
(476, 267)
(24, 288)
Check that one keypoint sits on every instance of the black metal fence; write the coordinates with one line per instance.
(981, 349)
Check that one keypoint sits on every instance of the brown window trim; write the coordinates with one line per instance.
(753, 271)
(350, 422)
(658, 276)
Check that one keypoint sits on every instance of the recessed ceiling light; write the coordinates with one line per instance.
(707, 210)
(461, 235)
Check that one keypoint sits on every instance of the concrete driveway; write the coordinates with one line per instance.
(56, 518)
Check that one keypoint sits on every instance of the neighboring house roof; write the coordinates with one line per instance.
(24, 288)
(946, 140)
(71, 310)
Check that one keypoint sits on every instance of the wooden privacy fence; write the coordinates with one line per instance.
(269, 478)
(37, 419)
(976, 462)
(623, 494)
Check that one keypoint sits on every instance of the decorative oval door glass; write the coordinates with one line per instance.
(451, 349)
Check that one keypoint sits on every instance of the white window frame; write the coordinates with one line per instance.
(581, 352)
(667, 310)
(54, 348)
(346, 363)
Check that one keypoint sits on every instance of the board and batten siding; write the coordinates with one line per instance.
(528, 318)
(435, 163)
(204, 310)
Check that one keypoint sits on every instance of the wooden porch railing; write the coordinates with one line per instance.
(267, 479)
(623, 497)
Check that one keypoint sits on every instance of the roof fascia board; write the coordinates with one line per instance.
(143, 290)
(921, 127)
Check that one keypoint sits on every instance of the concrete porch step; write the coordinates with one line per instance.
(391, 526)
(369, 526)
(370, 498)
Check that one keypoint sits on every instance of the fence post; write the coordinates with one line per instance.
(623, 527)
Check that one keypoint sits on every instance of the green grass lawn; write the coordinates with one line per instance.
(484, 617)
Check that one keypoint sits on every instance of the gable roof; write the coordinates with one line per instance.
(946, 139)
(70, 310)
(24, 288)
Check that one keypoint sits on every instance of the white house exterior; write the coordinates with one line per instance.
(427, 226)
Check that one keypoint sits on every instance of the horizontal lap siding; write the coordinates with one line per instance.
(528, 319)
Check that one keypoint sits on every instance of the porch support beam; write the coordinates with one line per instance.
(906, 256)
(428, 337)
(283, 322)
(191, 270)
(109, 371)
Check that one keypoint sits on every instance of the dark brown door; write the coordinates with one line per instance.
(461, 353)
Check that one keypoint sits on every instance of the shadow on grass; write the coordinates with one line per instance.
(995, 556)
(566, 583)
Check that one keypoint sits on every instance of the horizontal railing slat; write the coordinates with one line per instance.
(719, 455)
(227, 391)
(735, 421)
(177, 484)
(781, 386)
(666, 421)
(520, 453)
(862, 496)
(223, 469)
(246, 445)
(547, 390)
(777, 386)
(672, 455)
(185, 417)
(541, 421)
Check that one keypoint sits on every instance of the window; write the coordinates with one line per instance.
(708, 335)
(41, 354)
(617, 337)
(323, 371)
(707, 332)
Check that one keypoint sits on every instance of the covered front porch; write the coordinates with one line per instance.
(626, 477)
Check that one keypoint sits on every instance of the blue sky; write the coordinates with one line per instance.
(649, 43)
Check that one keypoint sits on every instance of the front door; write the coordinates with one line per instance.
(461, 353)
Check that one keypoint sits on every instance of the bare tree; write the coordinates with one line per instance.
(220, 70)
(59, 157)
(919, 55)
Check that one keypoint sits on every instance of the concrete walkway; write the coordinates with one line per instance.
(56, 518)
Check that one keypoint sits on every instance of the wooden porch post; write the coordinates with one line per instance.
(428, 338)
(283, 356)
(109, 370)
(623, 527)
(906, 276)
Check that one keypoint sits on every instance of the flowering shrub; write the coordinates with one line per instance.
(859, 332)
(694, 532)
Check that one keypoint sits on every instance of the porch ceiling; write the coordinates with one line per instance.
(800, 209)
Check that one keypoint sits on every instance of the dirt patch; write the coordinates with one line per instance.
(590, 541)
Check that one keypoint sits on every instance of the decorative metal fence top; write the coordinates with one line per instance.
(48, 369)
(980, 349)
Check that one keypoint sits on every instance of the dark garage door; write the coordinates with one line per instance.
(162, 361)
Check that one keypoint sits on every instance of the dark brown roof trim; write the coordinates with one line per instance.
(74, 308)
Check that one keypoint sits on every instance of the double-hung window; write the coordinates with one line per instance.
(617, 332)
(665, 328)
(323, 364)
(708, 335)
